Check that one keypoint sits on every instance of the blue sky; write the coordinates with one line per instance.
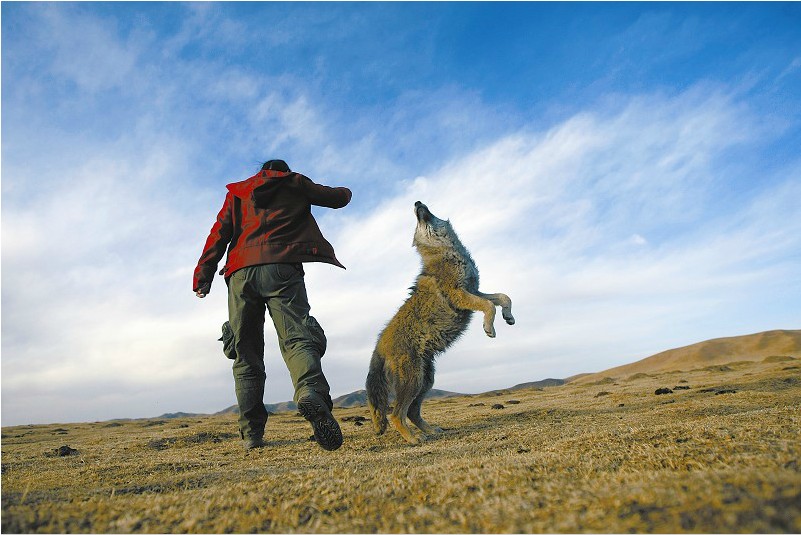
(628, 173)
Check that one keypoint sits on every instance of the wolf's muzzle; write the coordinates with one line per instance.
(421, 211)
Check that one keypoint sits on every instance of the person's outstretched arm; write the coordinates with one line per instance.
(216, 244)
(325, 195)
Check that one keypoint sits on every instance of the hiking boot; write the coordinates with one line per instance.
(252, 443)
(326, 429)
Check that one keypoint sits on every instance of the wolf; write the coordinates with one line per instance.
(436, 313)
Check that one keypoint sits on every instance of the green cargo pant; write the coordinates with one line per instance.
(280, 289)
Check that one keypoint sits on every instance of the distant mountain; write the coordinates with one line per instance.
(359, 398)
(180, 415)
(274, 408)
(750, 347)
(354, 399)
(522, 386)
(539, 384)
(753, 347)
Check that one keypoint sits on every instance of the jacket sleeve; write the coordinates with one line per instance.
(320, 195)
(216, 244)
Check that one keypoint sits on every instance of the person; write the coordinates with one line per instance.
(267, 221)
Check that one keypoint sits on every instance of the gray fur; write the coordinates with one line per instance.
(437, 312)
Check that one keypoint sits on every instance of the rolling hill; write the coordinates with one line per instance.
(716, 352)
(716, 454)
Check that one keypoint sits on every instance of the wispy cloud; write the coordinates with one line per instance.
(639, 221)
(550, 217)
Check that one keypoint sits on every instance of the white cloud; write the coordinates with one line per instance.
(85, 49)
(613, 231)
(556, 219)
(97, 261)
(549, 219)
(791, 69)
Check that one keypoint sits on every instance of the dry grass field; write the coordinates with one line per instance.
(718, 454)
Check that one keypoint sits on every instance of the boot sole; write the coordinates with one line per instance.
(251, 444)
(326, 429)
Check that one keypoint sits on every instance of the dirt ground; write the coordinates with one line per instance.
(717, 452)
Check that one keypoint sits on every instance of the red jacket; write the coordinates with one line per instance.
(267, 219)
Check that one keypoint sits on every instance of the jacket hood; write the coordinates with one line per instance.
(260, 187)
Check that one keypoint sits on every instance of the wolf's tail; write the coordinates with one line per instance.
(377, 393)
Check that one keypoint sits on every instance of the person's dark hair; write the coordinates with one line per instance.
(275, 165)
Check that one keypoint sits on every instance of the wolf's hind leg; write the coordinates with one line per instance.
(503, 301)
(414, 409)
(424, 426)
(377, 394)
(405, 392)
(379, 418)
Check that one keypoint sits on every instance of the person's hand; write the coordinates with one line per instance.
(203, 291)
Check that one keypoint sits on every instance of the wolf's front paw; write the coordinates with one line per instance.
(415, 440)
(430, 430)
(506, 312)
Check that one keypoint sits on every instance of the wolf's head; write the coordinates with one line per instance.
(432, 232)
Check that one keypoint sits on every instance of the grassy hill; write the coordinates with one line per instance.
(711, 352)
(717, 352)
(718, 452)
(720, 351)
